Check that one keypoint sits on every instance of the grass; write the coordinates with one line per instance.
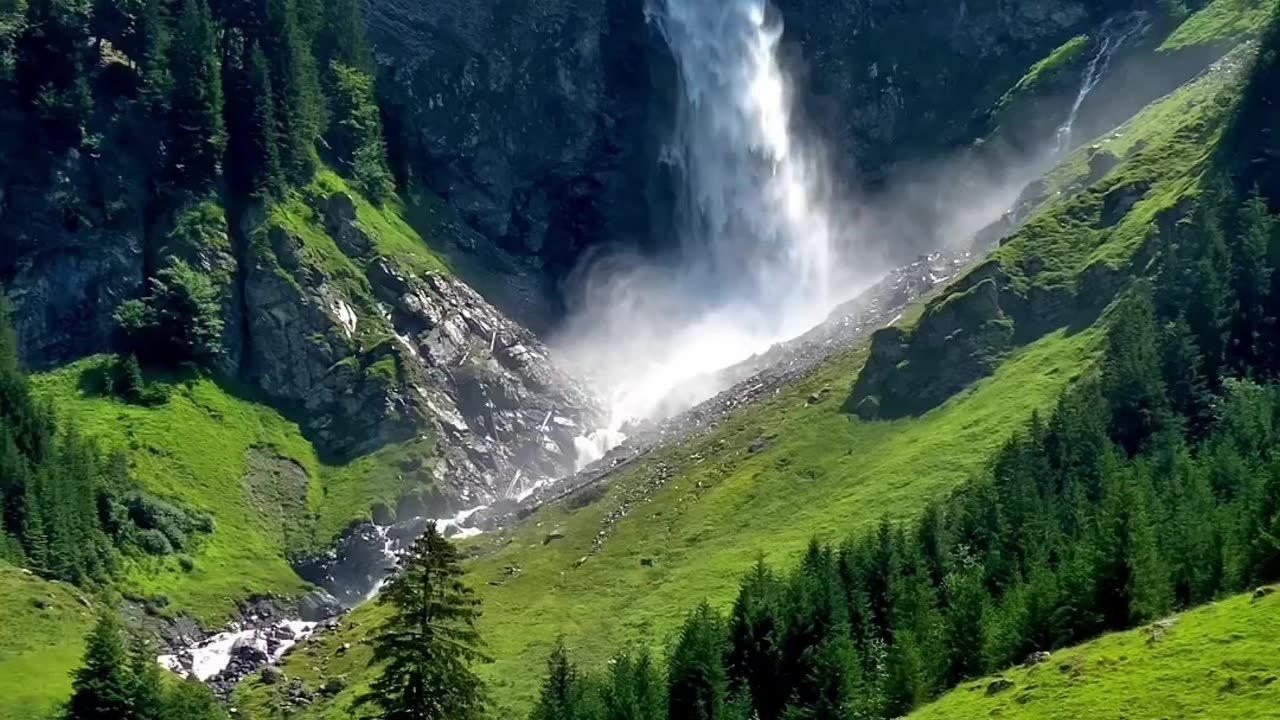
(777, 473)
(1045, 71)
(818, 472)
(1217, 662)
(1162, 153)
(38, 645)
(194, 450)
(1221, 21)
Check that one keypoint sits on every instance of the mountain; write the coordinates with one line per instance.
(373, 240)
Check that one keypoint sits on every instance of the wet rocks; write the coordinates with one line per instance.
(318, 605)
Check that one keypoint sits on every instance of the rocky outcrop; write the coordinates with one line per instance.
(393, 355)
(957, 341)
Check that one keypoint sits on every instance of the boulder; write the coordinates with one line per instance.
(999, 685)
(270, 675)
(318, 605)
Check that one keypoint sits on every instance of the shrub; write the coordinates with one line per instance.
(179, 321)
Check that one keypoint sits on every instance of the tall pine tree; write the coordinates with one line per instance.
(425, 648)
(198, 137)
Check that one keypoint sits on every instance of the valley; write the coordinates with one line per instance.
(621, 349)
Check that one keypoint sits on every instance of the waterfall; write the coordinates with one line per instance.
(1113, 35)
(752, 218)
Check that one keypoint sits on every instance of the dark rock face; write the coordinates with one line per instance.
(542, 121)
(533, 118)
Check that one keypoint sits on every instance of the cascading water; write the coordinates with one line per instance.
(755, 230)
(1115, 33)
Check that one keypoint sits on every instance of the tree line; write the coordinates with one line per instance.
(211, 95)
(67, 509)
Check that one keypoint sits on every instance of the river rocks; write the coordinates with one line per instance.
(271, 675)
(318, 605)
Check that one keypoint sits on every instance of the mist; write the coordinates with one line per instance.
(767, 241)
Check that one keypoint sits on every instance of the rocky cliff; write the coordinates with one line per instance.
(542, 121)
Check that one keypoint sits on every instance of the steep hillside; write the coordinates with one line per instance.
(1216, 661)
(618, 564)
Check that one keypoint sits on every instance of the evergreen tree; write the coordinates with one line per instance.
(52, 68)
(1180, 368)
(755, 636)
(697, 683)
(198, 137)
(299, 113)
(561, 694)
(154, 43)
(832, 690)
(103, 688)
(635, 690)
(342, 38)
(355, 135)
(1250, 281)
(1131, 374)
(427, 645)
(967, 603)
(253, 153)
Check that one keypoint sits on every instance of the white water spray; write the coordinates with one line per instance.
(753, 218)
(1115, 33)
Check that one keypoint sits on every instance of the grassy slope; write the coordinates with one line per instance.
(820, 472)
(193, 449)
(38, 646)
(1220, 21)
(1218, 662)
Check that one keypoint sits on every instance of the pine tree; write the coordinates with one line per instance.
(299, 113)
(198, 137)
(832, 689)
(634, 690)
(154, 43)
(355, 135)
(342, 37)
(1250, 281)
(103, 688)
(755, 637)
(1180, 366)
(560, 697)
(967, 603)
(253, 153)
(427, 645)
(147, 693)
(697, 683)
(52, 68)
(1131, 374)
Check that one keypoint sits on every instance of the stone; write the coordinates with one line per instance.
(646, 562)
(270, 675)
(1263, 591)
(556, 534)
(1037, 658)
(318, 605)
(343, 649)
(999, 685)
(252, 651)
(334, 685)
